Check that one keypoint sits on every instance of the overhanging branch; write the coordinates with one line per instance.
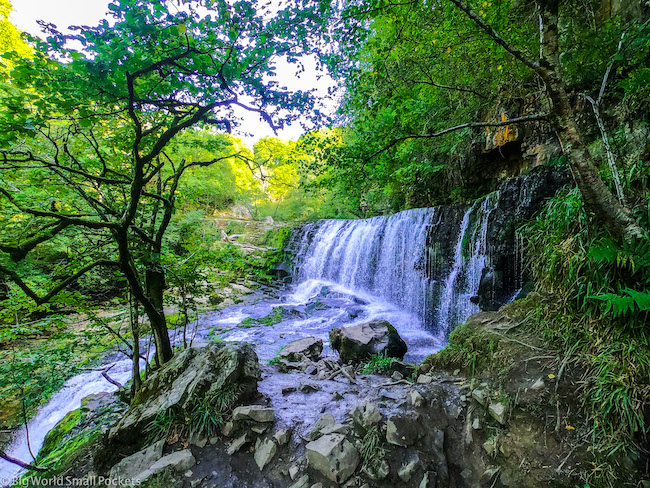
(517, 120)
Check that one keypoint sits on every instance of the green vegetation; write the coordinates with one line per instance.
(378, 364)
(372, 449)
(205, 417)
(275, 317)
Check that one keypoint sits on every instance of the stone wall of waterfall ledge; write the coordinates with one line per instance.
(443, 263)
(520, 199)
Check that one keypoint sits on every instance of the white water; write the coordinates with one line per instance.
(66, 400)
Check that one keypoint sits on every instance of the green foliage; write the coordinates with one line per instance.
(378, 364)
(206, 415)
(372, 449)
(595, 306)
(275, 317)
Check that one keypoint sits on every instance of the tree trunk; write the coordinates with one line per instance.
(597, 197)
(134, 318)
(155, 289)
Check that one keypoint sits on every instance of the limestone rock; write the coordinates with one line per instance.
(498, 412)
(264, 452)
(303, 482)
(538, 385)
(179, 461)
(358, 342)
(333, 456)
(366, 415)
(282, 436)
(139, 462)
(403, 430)
(306, 348)
(415, 398)
(480, 396)
(256, 413)
(195, 372)
(407, 470)
(237, 444)
(428, 480)
(425, 379)
(324, 421)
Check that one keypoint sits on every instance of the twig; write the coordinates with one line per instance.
(20, 463)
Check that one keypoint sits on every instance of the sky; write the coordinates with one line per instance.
(64, 13)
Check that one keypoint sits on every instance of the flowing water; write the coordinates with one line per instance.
(346, 272)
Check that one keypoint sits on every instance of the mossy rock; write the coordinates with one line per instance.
(360, 342)
(54, 438)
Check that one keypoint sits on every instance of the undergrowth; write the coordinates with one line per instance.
(205, 417)
(594, 304)
(378, 364)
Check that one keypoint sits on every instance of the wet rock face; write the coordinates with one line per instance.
(361, 341)
(520, 200)
(192, 374)
(333, 456)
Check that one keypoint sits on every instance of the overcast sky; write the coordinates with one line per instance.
(64, 13)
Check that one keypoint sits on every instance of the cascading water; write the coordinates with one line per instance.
(464, 279)
(383, 256)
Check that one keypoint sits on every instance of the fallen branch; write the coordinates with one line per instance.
(20, 463)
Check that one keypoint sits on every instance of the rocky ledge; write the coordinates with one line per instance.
(317, 422)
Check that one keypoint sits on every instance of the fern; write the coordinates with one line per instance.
(628, 302)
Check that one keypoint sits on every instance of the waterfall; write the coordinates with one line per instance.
(464, 279)
(389, 257)
(383, 256)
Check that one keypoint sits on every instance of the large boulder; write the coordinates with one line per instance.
(192, 374)
(306, 348)
(333, 456)
(359, 342)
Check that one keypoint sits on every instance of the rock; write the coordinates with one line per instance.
(333, 456)
(538, 385)
(425, 379)
(237, 444)
(476, 424)
(228, 428)
(268, 219)
(178, 461)
(139, 462)
(282, 436)
(309, 387)
(289, 389)
(256, 413)
(366, 415)
(260, 429)
(403, 430)
(195, 372)
(428, 480)
(308, 348)
(358, 342)
(480, 396)
(407, 470)
(336, 396)
(264, 452)
(498, 412)
(294, 470)
(415, 398)
(317, 485)
(324, 421)
(397, 376)
(378, 473)
(303, 482)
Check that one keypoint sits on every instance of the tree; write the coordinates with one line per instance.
(85, 131)
(423, 64)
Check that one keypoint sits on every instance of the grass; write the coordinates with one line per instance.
(206, 415)
(275, 317)
(378, 364)
(372, 449)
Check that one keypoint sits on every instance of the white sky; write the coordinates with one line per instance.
(64, 13)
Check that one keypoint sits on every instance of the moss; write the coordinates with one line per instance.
(471, 348)
(55, 437)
